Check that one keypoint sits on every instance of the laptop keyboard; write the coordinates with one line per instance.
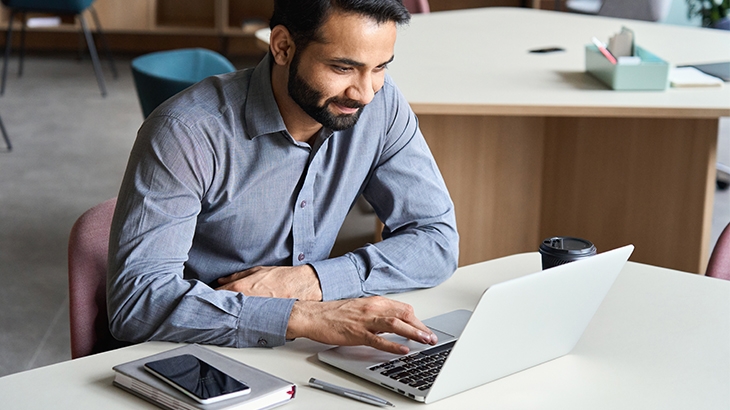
(417, 370)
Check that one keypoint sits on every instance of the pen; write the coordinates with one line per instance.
(352, 394)
(602, 48)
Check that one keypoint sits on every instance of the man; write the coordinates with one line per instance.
(236, 189)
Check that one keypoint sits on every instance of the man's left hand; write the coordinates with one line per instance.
(293, 282)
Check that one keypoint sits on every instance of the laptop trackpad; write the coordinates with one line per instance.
(452, 323)
(447, 327)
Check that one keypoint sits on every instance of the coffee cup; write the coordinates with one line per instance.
(564, 249)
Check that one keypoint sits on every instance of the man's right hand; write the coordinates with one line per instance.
(353, 322)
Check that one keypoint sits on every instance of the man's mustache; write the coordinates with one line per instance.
(346, 102)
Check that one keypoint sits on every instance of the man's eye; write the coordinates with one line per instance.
(341, 69)
(381, 67)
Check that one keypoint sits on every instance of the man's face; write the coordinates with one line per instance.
(334, 79)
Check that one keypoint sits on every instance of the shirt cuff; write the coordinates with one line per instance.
(263, 321)
(338, 278)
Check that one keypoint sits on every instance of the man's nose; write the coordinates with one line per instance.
(362, 90)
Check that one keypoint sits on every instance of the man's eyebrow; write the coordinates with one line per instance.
(350, 62)
(389, 60)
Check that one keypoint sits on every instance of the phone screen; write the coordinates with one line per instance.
(197, 379)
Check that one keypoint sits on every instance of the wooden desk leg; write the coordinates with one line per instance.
(493, 170)
(649, 182)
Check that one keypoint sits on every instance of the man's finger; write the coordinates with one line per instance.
(236, 276)
(385, 345)
(224, 287)
(401, 328)
(225, 280)
(410, 318)
(230, 278)
(405, 323)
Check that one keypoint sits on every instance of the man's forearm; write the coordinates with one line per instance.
(413, 259)
(291, 282)
(357, 322)
(189, 311)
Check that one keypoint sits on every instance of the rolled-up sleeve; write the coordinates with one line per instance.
(169, 171)
(421, 244)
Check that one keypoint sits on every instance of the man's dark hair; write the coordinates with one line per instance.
(303, 18)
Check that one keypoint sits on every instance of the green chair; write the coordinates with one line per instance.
(62, 7)
(158, 76)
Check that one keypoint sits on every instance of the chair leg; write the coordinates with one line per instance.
(723, 177)
(94, 56)
(5, 135)
(22, 44)
(81, 46)
(8, 44)
(104, 43)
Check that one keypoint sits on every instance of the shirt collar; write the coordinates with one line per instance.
(261, 114)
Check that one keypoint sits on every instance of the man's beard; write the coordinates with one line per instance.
(308, 99)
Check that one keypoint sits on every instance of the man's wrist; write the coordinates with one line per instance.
(314, 287)
(297, 319)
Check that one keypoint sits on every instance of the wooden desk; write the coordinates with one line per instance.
(531, 146)
(659, 341)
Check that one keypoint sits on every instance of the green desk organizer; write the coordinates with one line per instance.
(651, 74)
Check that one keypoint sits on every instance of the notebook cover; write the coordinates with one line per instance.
(267, 390)
(719, 70)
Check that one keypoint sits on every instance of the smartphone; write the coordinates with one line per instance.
(197, 379)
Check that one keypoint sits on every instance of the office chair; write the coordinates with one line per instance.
(62, 7)
(87, 264)
(647, 10)
(581, 6)
(158, 76)
(5, 135)
(417, 6)
(719, 265)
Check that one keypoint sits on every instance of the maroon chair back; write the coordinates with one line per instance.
(87, 264)
(719, 265)
(417, 6)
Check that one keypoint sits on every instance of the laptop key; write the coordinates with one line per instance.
(425, 387)
(392, 371)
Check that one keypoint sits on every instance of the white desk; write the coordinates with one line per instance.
(661, 340)
(531, 146)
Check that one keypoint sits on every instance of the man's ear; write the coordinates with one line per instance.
(281, 45)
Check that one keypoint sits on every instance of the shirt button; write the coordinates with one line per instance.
(303, 204)
(300, 257)
(262, 342)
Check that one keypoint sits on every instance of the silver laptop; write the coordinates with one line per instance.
(517, 324)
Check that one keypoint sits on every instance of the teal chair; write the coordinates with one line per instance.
(61, 7)
(158, 76)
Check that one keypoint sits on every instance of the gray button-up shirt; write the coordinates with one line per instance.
(215, 185)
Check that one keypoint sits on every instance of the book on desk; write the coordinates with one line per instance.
(267, 390)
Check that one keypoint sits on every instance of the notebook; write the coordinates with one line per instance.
(692, 77)
(516, 324)
(719, 70)
(267, 390)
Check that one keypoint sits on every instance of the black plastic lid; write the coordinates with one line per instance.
(567, 245)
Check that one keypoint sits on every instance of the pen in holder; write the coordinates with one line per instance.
(651, 73)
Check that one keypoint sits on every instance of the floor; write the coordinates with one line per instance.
(70, 149)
